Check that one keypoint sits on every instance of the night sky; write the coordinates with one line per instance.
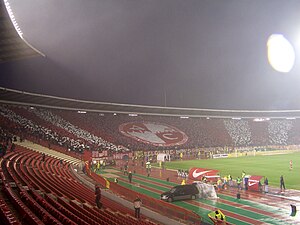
(187, 53)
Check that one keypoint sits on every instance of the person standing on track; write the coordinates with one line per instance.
(229, 177)
(137, 206)
(266, 182)
(148, 168)
(282, 185)
(243, 178)
(238, 182)
(129, 176)
(219, 184)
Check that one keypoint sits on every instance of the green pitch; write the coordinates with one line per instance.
(269, 166)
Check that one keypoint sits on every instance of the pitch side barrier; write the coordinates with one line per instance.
(159, 206)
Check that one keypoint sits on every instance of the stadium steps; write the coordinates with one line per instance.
(41, 149)
(86, 180)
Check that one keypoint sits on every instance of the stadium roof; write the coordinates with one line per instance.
(12, 45)
(11, 96)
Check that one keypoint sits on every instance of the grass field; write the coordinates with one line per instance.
(269, 166)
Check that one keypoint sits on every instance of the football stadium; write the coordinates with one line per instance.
(85, 140)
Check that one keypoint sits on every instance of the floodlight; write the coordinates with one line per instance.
(12, 18)
(281, 53)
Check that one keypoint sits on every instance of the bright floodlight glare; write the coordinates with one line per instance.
(12, 18)
(281, 54)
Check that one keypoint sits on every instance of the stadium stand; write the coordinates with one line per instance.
(74, 132)
(201, 131)
(45, 192)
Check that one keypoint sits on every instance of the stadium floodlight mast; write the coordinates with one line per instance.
(281, 53)
(13, 19)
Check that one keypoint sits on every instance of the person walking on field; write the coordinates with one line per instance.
(291, 165)
(137, 206)
(282, 185)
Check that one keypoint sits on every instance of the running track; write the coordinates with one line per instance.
(252, 208)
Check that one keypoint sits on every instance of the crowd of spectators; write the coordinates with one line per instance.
(104, 126)
(279, 131)
(76, 130)
(96, 131)
(239, 131)
(28, 127)
(294, 137)
(259, 134)
(201, 132)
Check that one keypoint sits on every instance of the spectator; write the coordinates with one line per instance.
(98, 196)
(13, 146)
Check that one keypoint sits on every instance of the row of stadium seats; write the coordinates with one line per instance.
(45, 192)
(7, 216)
